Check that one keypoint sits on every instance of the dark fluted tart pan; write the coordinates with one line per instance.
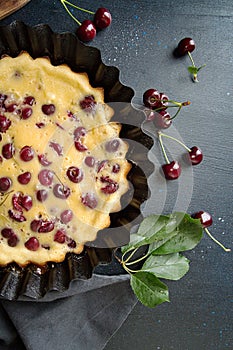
(64, 48)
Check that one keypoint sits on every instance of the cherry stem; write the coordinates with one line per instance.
(68, 11)
(216, 241)
(137, 260)
(193, 64)
(162, 147)
(77, 7)
(176, 140)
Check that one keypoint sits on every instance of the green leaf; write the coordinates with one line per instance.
(149, 290)
(171, 266)
(193, 70)
(186, 235)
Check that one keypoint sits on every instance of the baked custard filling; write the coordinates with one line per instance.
(63, 166)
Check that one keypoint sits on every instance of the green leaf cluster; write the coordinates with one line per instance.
(165, 236)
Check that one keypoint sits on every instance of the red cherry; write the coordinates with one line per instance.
(24, 178)
(86, 31)
(26, 153)
(171, 170)
(8, 150)
(32, 244)
(185, 45)
(205, 218)
(162, 119)
(4, 123)
(151, 98)
(60, 236)
(102, 18)
(48, 109)
(195, 155)
(5, 184)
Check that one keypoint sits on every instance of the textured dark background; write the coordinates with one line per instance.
(140, 43)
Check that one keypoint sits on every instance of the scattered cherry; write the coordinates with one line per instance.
(5, 123)
(13, 241)
(89, 161)
(48, 109)
(79, 132)
(7, 232)
(172, 170)
(161, 119)
(5, 184)
(86, 31)
(102, 18)
(29, 100)
(61, 191)
(195, 155)
(32, 244)
(60, 236)
(45, 177)
(88, 104)
(151, 98)
(26, 112)
(8, 150)
(112, 146)
(74, 174)
(26, 153)
(42, 226)
(66, 216)
(185, 45)
(56, 147)
(41, 195)
(24, 178)
(89, 200)
(206, 221)
(43, 160)
(79, 146)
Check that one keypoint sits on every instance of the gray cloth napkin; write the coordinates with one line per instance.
(84, 317)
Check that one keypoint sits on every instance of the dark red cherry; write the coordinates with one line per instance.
(116, 168)
(89, 200)
(41, 195)
(205, 218)
(61, 191)
(101, 165)
(88, 104)
(26, 112)
(171, 170)
(66, 216)
(43, 160)
(112, 146)
(24, 178)
(71, 243)
(151, 98)
(90, 161)
(79, 132)
(5, 123)
(185, 45)
(7, 232)
(163, 100)
(11, 108)
(56, 147)
(111, 187)
(45, 177)
(5, 184)
(162, 119)
(74, 174)
(16, 215)
(102, 18)
(79, 146)
(26, 153)
(40, 125)
(29, 100)
(60, 236)
(13, 241)
(20, 202)
(42, 226)
(8, 150)
(195, 155)
(86, 31)
(48, 109)
(32, 244)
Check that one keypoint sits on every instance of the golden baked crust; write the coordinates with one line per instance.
(55, 128)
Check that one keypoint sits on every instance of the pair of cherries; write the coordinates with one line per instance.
(157, 104)
(87, 30)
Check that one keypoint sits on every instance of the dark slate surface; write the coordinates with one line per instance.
(140, 42)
